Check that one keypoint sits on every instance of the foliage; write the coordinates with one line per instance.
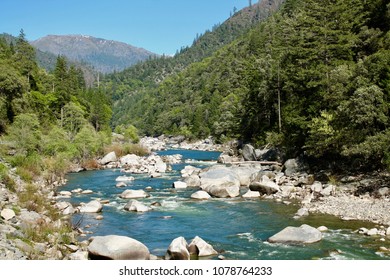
(313, 78)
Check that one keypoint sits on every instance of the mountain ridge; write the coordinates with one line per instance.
(104, 55)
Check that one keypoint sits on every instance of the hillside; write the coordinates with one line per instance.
(128, 87)
(298, 81)
(105, 56)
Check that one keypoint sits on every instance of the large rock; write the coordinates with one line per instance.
(248, 153)
(136, 206)
(130, 160)
(293, 166)
(304, 234)
(201, 195)
(220, 182)
(114, 247)
(244, 173)
(179, 185)
(125, 179)
(29, 219)
(110, 157)
(193, 181)
(7, 214)
(132, 194)
(201, 248)
(91, 207)
(251, 194)
(177, 250)
(264, 186)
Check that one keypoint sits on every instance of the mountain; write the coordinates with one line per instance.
(128, 87)
(105, 56)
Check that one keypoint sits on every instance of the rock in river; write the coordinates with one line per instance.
(114, 247)
(220, 181)
(201, 248)
(177, 250)
(130, 194)
(304, 234)
(201, 195)
(91, 207)
(136, 206)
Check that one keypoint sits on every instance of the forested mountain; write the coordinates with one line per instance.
(47, 120)
(129, 85)
(105, 56)
(313, 79)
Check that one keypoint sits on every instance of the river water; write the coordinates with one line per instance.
(237, 228)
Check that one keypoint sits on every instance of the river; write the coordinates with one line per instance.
(237, 228)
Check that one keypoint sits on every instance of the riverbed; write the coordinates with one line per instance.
(237, 228)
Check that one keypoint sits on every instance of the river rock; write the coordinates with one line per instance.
(303, 212)
(201, 248)
(201, 195)
(304, 234)
(322, 228)
(244, 173)
(383, 191)
(65, 193)
(179, 185)
(7, 214)
(177, 250)
(193, 181)
(316, 187)
(248, 153)
(130, 160)
(328, 190)
(114, 247)
(131, 194)
(136, 206)
(125, 179)
(264, 186)
(87, 192)
(121, 185)
(189, 170)
(220, 182)
(93, 206)
(79, 256)
(110, 157)
(251, 194)
(69, 210)
(372, 232)
(293, 166)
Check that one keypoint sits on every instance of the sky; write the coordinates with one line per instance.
(160, 26)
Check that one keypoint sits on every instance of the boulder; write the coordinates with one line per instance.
(114, 247)
(303, 212)
(293, 166)
(177, 250)
(264, 186)
(110, 157)
(383, 191)
(79, 256)
(136, 206)
(224, 159)
(193, 181)
(69, 210)
(244, 174)
(7, 214)
(248, 153)
(131, 194)
(316, 187)
(125, 179)
(93, 206)
(372, 232)
(322, 228)
(201, 195)
(179, 185)
(328, 190)
(201, 248)
(251, 194)
(121, 185)
(220, 182)
(189, 170)
(304, 234)
(130, 160)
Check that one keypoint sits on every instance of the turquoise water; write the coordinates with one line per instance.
(237, 228)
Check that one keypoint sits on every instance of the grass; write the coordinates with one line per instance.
(125, 149)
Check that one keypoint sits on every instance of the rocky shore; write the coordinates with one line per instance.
(246, 172)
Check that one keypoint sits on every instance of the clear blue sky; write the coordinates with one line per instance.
(161, 26)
